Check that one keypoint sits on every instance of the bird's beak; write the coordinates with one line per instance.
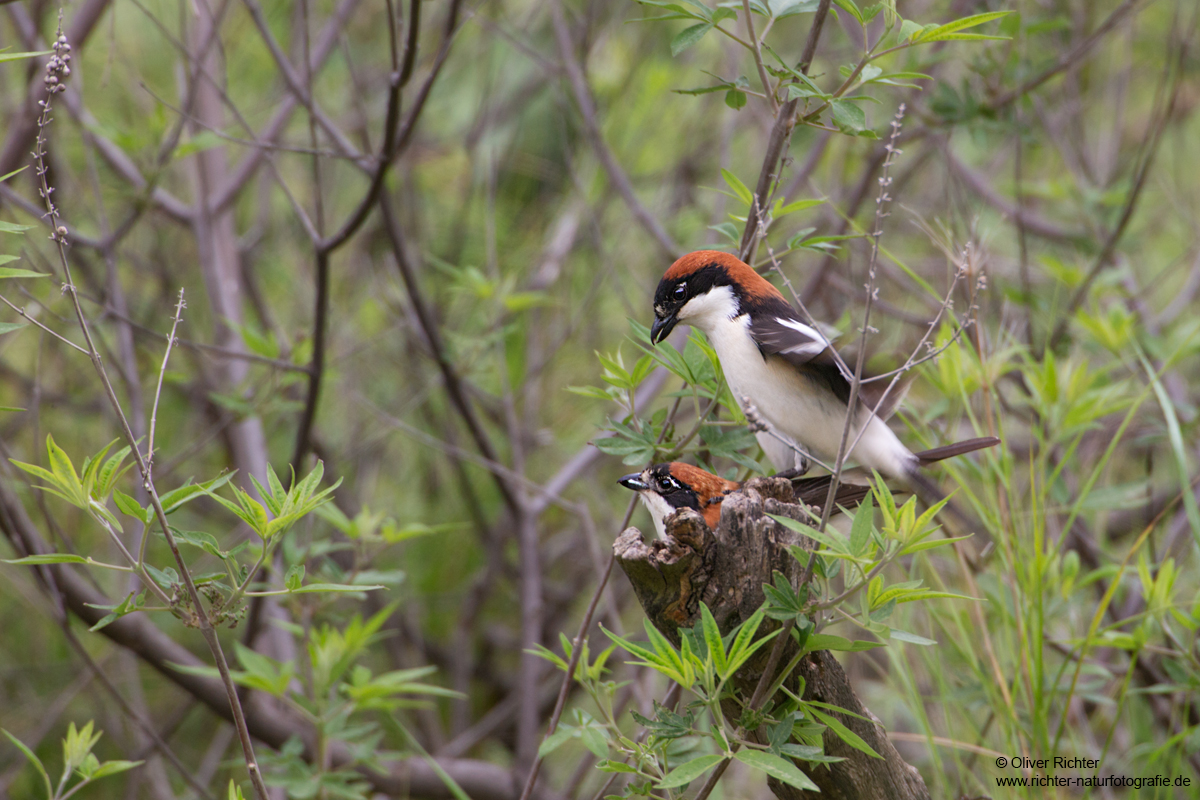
(634, 482)
(662, 328)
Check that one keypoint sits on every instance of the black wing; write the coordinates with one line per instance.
(813, 491)
(778, 331)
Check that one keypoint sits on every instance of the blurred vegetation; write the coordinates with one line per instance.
(519, 232)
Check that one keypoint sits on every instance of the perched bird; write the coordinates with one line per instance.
(782, 366)
(667, 487)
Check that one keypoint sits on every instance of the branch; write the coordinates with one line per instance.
(1039, 226)
(781, 135)
(1066, 59)
(454, 385)
(394, 143)
(587, 108)
(1146, 154)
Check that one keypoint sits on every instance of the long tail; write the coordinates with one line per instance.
(931, 493)
(855, 485)
(927, 457)
(813, 491)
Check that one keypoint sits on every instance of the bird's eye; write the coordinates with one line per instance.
(680, 291)
(668, 485)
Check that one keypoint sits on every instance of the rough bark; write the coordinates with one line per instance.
(726, 569)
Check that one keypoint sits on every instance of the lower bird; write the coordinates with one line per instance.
(667, 487)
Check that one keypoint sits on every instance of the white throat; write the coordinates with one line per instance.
(711, 310)
(659, 510)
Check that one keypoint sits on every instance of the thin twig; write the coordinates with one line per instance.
(758, 60)
(587, 108)
(179, 307)
(53, 333)
(56, 71)
(396, 138)
(1172, 77)
(781, 134)
(852, 409)
(1066, 59)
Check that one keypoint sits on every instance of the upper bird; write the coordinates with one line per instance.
(783, 366)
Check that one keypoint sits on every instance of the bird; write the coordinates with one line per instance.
(666, 487)
(783, 369)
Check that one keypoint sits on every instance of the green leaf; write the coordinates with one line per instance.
(849, 7)
(176, 498)
(847, 116)
(909, 29)
(1178, 450)
(722, 14)
(200, 540)
(33, 759)
(294, 578)
(354, 588)
(778, 768)
(929, 544)
(635, 649)
(166, 578)
(15, 57)
(845, 734)
(62, 475)
(860, 530)
(781, 733)
(114, 768)
(744, 645)
(5, 272)
(556, 740)
(667, 652)
(712, 637)
(911, 638)
(77, 745)
(834, 543)
(736, 99)
(788, 8)
(740, 189)
(127, 505)
(827, 641)
(594, 740)
(12, 227)
(688, 772)
(798, 205)
(689, 36)
(949, 30)
(728, 230)
(104, 622)
(262, 672)
(48, 558)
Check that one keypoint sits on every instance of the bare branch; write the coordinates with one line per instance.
(587, 108)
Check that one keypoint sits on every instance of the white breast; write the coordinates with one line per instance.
(787, 400)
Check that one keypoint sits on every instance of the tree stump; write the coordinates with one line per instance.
(726, 569)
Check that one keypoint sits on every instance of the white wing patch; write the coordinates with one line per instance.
(816, 341)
